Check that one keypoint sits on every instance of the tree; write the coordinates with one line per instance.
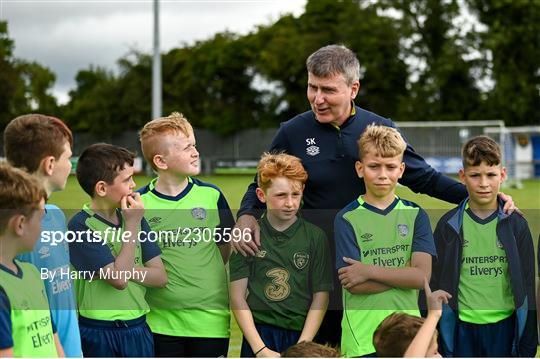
(24, 86)
(511, 47)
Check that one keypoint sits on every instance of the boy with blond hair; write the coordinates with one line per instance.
(190, 316)
(289, 279)
(26, 325)
(116, 259)
(384, 244)
(486, 261)
(41, 145)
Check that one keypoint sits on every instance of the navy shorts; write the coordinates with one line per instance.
(119, 338)
(485, 340)
(275, 338)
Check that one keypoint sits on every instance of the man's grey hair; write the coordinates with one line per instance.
(331, 60)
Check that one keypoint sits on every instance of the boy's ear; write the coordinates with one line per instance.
(402, 169)
(16, 224)
(100, 189)
(260, 195)
(359, 168)
(46, 166)
(503, 174)
(461, 174)
(159, 162)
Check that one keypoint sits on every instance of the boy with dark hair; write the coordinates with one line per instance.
(115, 259)
(288, 280)
(26, 327)
(486, 262)
(191, 316)
(384, 244)
(41, 145)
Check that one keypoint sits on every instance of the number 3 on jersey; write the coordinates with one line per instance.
(279, 289)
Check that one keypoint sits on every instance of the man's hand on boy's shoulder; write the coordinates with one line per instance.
(247, 240)
(355, 273)
(509, 205)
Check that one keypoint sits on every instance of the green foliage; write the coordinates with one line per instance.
(419, 65)
(24, 86)
(513, 41)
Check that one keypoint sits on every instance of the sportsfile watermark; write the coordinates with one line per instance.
(181, 236)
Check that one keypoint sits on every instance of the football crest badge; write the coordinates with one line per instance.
(198, 213)
(300, 260)
(403, 230)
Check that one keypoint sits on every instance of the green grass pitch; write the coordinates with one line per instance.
(234, 186)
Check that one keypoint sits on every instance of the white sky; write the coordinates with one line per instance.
(67, 36)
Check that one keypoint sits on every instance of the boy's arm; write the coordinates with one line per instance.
(59, 349)
(347, 246)
(404, 277)
(314, 317)
(244, 318)
(422, 340)
(92, 255)
(133, 211)
(410, 276)
(153, 270)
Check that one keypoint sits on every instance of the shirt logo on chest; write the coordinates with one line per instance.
(312, 150)
(403, 230)
(198, 213)
(300, 260)
(367, 237)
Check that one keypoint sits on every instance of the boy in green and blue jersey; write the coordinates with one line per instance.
(26, 325)
(190, 317)
(384, 244)
(116, 259)
(41, 145)
(486, 261)
(280, 295)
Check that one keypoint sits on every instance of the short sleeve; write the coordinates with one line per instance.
(226, 221)
(321, 270)
(149, 249)
(423, 236)
(239, 267)
(6, 335)
(346, 244)
(88, 254)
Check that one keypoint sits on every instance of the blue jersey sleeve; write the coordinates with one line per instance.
(6, 336)
(226, 220)
(423, 236)
(149, 249)
(87, 255)
(346, 244)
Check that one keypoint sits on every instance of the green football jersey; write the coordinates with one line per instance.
(484, 292)
(384, 238)
(31, 324)
(96, 298)
(195, 302)
(288, 268)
